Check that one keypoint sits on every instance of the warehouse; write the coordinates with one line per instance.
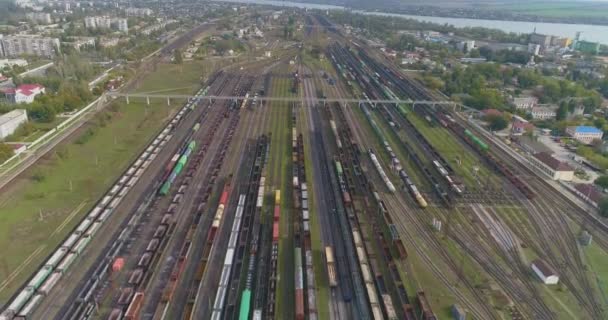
(9, 122)
(552, 167)
(544, 272)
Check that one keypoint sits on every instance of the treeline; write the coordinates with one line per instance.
(6, 152)
(45, 108)
(481, 86)
(383, 26)
(66, 86)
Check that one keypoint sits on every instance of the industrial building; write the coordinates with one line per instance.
(541, 39)
(544, 272)
(585, 134)
(552, 167)
(9, 122)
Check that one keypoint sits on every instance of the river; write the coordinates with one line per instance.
(588, 32)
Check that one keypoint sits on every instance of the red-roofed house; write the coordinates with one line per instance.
(24, 93)
(519, 127)
(491, 112)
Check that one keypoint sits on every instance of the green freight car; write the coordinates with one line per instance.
(339, 167)
(402, 109)
(245, 305)
(482, 145)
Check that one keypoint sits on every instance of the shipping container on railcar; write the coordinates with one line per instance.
(331, 266)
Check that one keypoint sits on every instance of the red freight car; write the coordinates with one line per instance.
(275, 232)
(425, 309)
(135, 307)
(299, 304)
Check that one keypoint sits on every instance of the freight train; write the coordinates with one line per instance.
(24, 303)
(331, 267)
(380, 170)
(412, 189)
(222, 289)
(177, 169)
(484, 151)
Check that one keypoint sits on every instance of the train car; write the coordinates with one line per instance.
(275, 232)
(29, 308)
(478, 142)
(381, 171)
(277, 197)
(334, 129)
(299, 284)
(331, 267)
(423, 305)
(19, 302)
(135, 307)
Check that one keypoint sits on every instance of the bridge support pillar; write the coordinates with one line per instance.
(127, 98)
(168, 101)
(147, 100)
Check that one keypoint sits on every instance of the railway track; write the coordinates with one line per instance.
(480, 308)
(323, 203)
(109, 204)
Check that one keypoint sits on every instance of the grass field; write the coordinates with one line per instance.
(183, 78)
(597, 260)
(321, 278)
(556, 9)
(42, 206)
(279, 173)
(453, 152)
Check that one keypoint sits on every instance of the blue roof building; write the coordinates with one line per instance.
(585, 134)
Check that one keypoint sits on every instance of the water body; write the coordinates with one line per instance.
(588, 32)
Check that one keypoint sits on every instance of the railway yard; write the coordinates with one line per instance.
(312, 206)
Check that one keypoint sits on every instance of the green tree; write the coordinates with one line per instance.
(177, 56)
(497, 122)
(5, 152)
(604, 207)
(602, 181)
(562, 111)
(604, 88)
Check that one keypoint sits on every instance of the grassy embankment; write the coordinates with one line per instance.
(42, 205)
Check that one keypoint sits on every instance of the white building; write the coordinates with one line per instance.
(552, 167)
(12, 62)
(138, 12)
(97, 22)
(525, 102)
(12, 46)
(534, 48)
(585, 134)
(542, 113)
(81, 42)
(122, 25)
(466, 46)
(24, 93)
(105, 22)
(9, 122)
(546, 274)
(40, 17)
